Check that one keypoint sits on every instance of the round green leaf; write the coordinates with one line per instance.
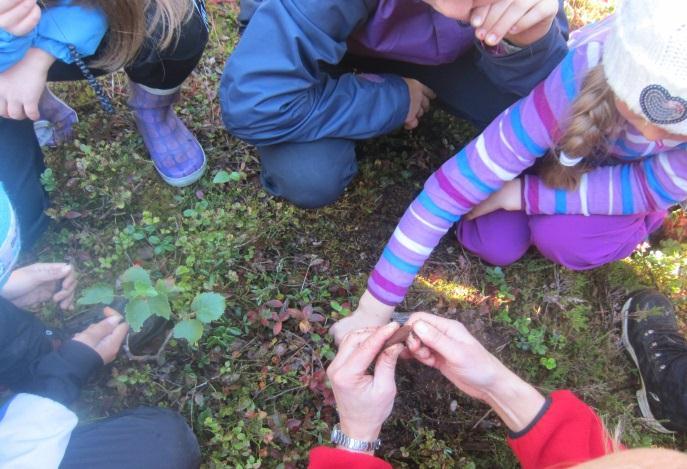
(136, 275)
(189, 329)
(208, 306)
(221, 177)
(159, 305)
(99, 293)
(137, 311)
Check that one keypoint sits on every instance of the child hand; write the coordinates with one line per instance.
(19, 17)
(522, 22)
(106, 336)
(36, 283)
(22, 85)
(370, 313)
(364, 401)
(507, 198)
(420, 96)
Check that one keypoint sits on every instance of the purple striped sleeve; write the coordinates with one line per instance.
(649, 185)
(508, 146)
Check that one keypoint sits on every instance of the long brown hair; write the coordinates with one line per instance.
(130, 24)
(593, 122)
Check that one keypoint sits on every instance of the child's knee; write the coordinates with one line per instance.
(498, 238)
(581, 243)
(309, 175)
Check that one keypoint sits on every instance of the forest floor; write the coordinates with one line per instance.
(260, 399)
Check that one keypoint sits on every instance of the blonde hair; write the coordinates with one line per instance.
(130, 24)
(592, 124)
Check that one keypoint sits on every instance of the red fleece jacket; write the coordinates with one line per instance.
(566, 432)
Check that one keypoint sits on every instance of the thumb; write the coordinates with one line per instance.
(385, 367)
(434, 338)
(45, 272)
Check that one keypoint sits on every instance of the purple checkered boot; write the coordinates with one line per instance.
(57, 119)
(176, 153)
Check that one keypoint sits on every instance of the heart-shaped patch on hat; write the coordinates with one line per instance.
(660, 107)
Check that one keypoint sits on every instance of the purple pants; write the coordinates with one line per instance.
(577, 242)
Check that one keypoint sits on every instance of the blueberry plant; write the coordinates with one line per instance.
(146, 298)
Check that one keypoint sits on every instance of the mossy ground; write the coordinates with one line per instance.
(256, 399)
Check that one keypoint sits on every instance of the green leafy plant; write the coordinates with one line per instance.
(146, 298)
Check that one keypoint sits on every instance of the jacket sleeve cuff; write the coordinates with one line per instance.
(61, 374)
(334, 458)
(519, 72)
(566, 432)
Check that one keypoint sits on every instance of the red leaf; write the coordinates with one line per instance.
(295, 313)
(284, 315)
(307, 311)
(276, 329)
(274, 304)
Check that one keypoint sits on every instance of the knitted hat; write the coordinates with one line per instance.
(645, 60)
(9, 237)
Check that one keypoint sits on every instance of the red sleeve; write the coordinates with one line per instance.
(324, 457)
(565, 433)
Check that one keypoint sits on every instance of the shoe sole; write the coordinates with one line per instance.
(642, 398)
(186, 180)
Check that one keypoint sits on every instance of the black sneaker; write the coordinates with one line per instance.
(651, 337)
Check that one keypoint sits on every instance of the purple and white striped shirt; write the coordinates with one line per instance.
(649, 175)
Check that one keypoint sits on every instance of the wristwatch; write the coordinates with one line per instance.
(339, 438)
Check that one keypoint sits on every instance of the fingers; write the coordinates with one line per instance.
(451, 328)
(350, 343)
(98, 331)
(385, 367)
(360, 360)
(434, 338)
(110, 344)
(15, 110)
(20, 17)
(543, 11)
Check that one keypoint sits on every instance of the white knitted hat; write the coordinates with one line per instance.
(645, 60)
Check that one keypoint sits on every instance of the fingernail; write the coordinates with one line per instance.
(421, 328)
(476, 21)
(66, 268)
(114, 320)
(491, 39)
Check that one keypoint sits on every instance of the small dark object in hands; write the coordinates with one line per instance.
(399, 337)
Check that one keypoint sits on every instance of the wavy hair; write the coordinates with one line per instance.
(131, 23)
(593, 122)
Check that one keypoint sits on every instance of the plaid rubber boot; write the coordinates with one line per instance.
(56, 122)
(652, 339)
(176, 153)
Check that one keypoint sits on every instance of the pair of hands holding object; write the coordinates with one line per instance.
(365, 400)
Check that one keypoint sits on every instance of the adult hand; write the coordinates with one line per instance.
(371, 313)
(420, 97)
(106, 336)
(509, 197)
(522, 22)
(364, 401)
(448, 346)
(19, 17)
(36, 283)
(22, 85)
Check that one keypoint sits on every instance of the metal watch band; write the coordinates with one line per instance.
(339, 438)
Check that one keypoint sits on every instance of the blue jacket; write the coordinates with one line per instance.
(275, 87)
(59, 26)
